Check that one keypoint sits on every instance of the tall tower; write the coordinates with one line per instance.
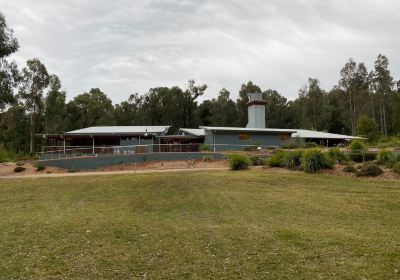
(256, 111)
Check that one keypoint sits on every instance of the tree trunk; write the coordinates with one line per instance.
(32, 132)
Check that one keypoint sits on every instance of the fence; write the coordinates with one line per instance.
(61, 152)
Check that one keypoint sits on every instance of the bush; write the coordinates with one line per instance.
(256, 160)
(356, 145)
(19, 169)
(40, 168)
(311, 145)
(204, 147)
(385, 156)
(278, 159)
(338, 155)
(362, 156)
(370, 170)
(207, 158)
(396, 167)
(314, 160)
(239, 162)
(293, 159)
(350, 169)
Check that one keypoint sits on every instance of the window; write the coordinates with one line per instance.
(284, 137)
(244, 136)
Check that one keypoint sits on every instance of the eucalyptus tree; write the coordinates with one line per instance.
(354, 85)
(34, 80)
(90, 109)
(382, 84)
(8, 70)
(191, 94)
(55, 107)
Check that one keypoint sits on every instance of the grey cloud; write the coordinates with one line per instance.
(127, 46)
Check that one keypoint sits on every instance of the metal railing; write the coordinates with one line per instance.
(61, 152)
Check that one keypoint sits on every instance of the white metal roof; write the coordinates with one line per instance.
(303, 133)
(119, 130)
(193, 131)
(272, 130)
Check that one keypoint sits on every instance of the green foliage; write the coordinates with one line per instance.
(239, 162)
(362, 156)
(350, 169)
(256, 161)
(293, 159)
(40, 167)
(204, 147)
(370, 170)
(278, 159)
(356, 146)
(314, 160)
(19, 169)
(207, 158)
(311, 145)
(6, 155)
(367, 127)
(386, 156)
(396, 167)
(338, 155)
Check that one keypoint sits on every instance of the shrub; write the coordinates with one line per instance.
(293, 159)
(350, 169)
(204, 147)
(396, 167)
(362, 156)
(239, 162)
(207, 158)
(256, 160)
(314, 160)
(385, 156)
(40, 168)
(19, 169)
(278, 159)
(311, 145)
(338, 155)
(370, 170)
(356, 145)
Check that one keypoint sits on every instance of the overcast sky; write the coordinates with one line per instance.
(126, 46)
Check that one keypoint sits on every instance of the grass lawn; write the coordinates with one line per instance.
(208, 225)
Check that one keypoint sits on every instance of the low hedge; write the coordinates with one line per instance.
(370, 170)
(278, 159)
(362, 156)
(239, 162)
(293, 159)
(19, 169)
(314, 160)
(396, 167)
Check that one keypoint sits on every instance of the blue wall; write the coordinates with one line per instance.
(103, 161)
(232, 138)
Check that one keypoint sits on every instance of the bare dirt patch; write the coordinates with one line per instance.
(7, 169)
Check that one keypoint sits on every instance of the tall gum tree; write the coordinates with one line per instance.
(34, 80)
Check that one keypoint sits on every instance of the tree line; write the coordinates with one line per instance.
(364, 102)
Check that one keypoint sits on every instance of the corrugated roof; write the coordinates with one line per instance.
(193, 131)
(119, 130)
(272, 130)
(303, 133)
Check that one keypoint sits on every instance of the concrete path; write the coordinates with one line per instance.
(96, 173)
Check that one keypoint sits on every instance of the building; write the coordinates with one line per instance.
(153, 139)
